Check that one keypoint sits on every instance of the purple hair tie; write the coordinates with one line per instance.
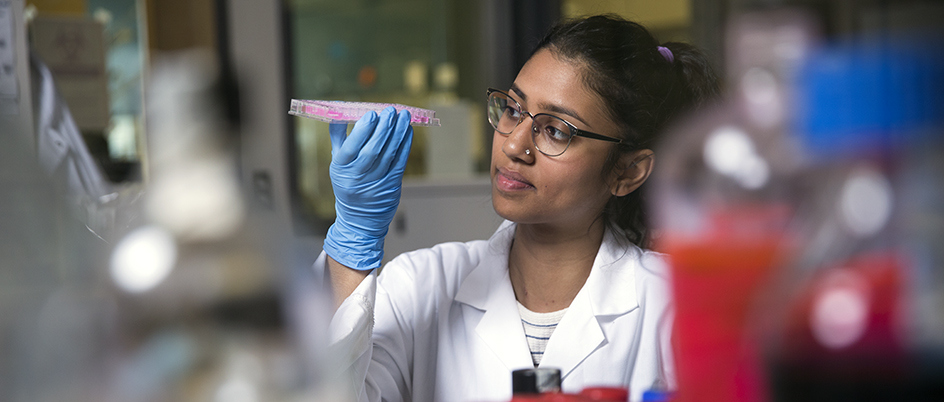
(666, 54)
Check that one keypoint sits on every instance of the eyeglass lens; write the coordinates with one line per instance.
(503, 113)
(550, 134)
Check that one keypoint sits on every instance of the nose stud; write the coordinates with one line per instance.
(527, 152)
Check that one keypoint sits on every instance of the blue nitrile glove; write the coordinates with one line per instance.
(366, 174)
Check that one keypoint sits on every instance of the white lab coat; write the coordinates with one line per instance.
(446, 326)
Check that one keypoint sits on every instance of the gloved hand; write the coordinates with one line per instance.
(366, 174)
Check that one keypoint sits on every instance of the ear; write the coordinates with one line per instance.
(631, 171)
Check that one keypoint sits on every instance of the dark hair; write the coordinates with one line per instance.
(642, 89)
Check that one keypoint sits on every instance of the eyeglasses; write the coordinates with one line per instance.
(550, 134)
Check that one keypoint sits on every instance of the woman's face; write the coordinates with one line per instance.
(566, 191)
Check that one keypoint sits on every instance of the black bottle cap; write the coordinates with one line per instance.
(536, 380)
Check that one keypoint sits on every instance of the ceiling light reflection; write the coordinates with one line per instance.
(866, 202)
(840, 312)
(143, 259)
(730, 151)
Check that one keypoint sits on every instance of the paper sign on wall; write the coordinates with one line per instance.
(9, 95)
(74, 50)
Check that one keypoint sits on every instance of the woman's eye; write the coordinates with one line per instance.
(511, 111)
(555, 134)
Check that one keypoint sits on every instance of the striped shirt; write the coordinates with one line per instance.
(538, 328)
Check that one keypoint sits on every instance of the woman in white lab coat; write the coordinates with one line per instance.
(566, 282)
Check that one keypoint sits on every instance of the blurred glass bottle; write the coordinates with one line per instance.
(861, 300)
(724, 196)
(211, 303)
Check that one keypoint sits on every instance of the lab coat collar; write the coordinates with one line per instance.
(610, 290)
(611, 286)
(488, 288)
(478, 287)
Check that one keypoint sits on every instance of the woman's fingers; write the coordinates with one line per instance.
(403, 152)
(400, 131)
(375, 146)
(381, 134)
(354, 144)
(338, 133)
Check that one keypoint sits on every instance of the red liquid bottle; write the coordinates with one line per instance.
(725, 194)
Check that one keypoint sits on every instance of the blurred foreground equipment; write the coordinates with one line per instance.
(803, 218)
(724, 198)
(180, 297)
(860, 306)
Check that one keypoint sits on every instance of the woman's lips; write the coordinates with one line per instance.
(511, 181)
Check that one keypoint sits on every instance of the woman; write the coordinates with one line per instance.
(566, 281)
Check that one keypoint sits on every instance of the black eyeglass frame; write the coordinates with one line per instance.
(574, 131)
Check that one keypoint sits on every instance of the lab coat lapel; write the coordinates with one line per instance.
(488, 288)
(610, 290)
(501, 329)
(576, 336)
